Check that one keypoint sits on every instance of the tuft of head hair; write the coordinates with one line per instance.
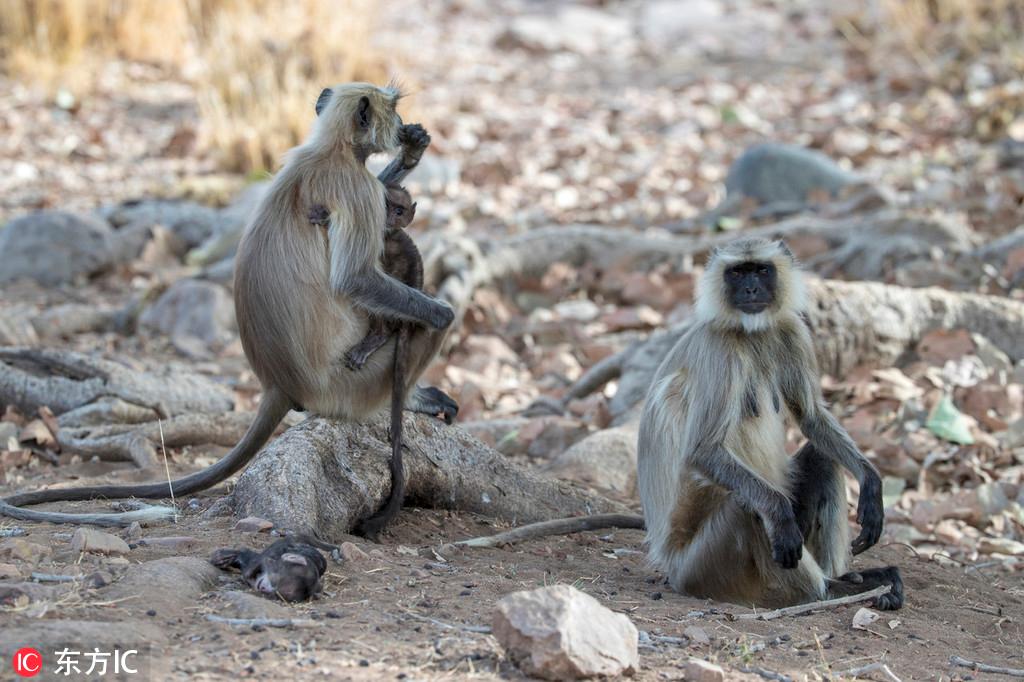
(360, 115)
(790, 298)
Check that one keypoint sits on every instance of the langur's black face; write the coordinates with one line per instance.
(750, 286)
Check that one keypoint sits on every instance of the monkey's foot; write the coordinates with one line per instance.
(863, 581)
(433, 401)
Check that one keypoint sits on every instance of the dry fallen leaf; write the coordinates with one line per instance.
(863, 618)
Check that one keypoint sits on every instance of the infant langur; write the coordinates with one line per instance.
(289, 568)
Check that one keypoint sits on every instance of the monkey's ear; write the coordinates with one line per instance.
(322, 100)
(784, 248)
(363, 112)
(293, 558)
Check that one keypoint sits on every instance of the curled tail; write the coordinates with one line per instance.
(271, 411)
(372, 526)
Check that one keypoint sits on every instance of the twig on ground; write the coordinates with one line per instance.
(765, 673)
(984, 667)
(877, 667)
(481, 629)
(54, 578)
(574, 524)
(264, 622)
(167, 468)
(814, 605)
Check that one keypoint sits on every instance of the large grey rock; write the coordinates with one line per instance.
(223, 242)
(560, 633)
(196, 315)
(573, 28)
(54, 247)
(169, 586)
(606, 459)
(773, 172)
(191, 222)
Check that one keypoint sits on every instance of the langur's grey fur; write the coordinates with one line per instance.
(302, 297)
(729, 514)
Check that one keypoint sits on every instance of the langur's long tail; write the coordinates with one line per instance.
(271, 411)
(372, 526)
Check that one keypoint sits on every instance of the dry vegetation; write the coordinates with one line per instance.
(256, 64)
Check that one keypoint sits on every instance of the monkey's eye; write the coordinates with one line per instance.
(762, 270)
(399, 210)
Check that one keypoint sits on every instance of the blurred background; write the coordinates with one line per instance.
(602, 111)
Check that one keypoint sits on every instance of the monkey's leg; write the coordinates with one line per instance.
(819, 494)
(358, 354)
(423, 346)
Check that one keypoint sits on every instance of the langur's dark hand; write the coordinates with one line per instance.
(870, 513)
(787, 544)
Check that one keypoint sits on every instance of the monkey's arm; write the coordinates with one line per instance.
(802, 392)
(414, 140)
(382, 295)
(708, 455)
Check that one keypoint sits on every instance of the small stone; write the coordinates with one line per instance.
(98, 542)
(1000, 546)
(351, 552)
(253, 524)
(9, 571)
(559, 633)
(697, 635)
(171, 542)
(701, 671)
(133, 532)
(21, 549)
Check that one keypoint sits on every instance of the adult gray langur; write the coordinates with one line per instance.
(729, 514)
(303, 295)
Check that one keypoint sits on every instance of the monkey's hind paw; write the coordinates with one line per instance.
(433, 401)
(225, 559)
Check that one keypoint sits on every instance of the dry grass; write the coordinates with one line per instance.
(941, 37)
(258, 65)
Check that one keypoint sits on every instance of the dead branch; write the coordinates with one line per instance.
(542, 529)
(877, 667)
(65, 380)
(984, 667)
(322, 476)
(264, 622)
(810, 607)
(765, 673)
(137, 442)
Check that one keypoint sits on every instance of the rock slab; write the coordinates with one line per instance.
(561, 633)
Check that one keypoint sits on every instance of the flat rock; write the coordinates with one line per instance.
(352, 553)
(193, 309)
(560, 633)
(54, 247)
(254, 524)
(97, 542)
(605, 459)
(168, 586)
(250, 605)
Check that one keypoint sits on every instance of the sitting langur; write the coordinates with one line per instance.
(304, 297)
(289, 568)
(730, 515)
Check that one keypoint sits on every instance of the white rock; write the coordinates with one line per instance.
(560, 633)
(701, 671)
(98, 542)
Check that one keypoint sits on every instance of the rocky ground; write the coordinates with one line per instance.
(624, 116)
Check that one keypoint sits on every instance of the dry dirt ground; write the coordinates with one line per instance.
(406, 612)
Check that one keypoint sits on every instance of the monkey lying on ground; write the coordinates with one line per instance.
(403, 262)
(289, 568)
(729, 514)
(303, 298)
